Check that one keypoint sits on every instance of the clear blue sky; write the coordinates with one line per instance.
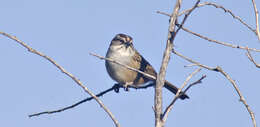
(68, 30)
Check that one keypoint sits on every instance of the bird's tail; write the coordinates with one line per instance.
(174, 90)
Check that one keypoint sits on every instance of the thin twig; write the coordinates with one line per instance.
(242, 99)
(194, 62)
(190, 65)
(216, 6)
(186, 16)
(219, 42)
(128, 67)
(194, 83)
(251, 58)
(256, 19)
(224, 9)
(163, 13)
(65, 72)
(170, 106)
(72, 106)
(115, 88)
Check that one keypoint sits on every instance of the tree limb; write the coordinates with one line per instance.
(225, 10)
(115, 88)
(65, 72)
(166, 56)
(256, 20)
(219, 69)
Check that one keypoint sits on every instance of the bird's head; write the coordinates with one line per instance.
(122, 39)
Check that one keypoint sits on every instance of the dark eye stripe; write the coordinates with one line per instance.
(118, 39)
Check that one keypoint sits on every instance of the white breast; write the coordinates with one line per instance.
(120, 54)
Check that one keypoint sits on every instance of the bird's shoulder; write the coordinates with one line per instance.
(144, 65)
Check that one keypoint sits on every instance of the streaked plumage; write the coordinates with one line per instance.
(121, 49)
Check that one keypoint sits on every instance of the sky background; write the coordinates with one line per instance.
(68, 31)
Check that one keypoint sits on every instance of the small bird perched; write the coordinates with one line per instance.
(121, 49)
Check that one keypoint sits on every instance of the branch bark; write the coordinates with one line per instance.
(242, 99)
(256, 20)
(166, 56)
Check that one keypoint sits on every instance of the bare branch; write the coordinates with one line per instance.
(74, 105)
(224, 9)
(190, 65)
(115, 88)
(194, 62)
(242, 99)
(65, 72)
(256, 20)
(216, 6)
(251, 58)
(163, 13)
(165, 115)
(186, 16)
(170, 106)
(166, 56)
(219, 69)
(208, 39)
(194, 83)
(128, 67)
(219, 42)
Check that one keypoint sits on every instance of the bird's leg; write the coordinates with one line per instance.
(126, 85)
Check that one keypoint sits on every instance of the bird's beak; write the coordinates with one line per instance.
(128, 43)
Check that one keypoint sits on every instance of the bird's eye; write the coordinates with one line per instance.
(122, 40)
(118, 40)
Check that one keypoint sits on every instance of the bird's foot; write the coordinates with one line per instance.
(126, 85)
(116, 87)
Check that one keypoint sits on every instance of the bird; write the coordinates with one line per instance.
(121, 49)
